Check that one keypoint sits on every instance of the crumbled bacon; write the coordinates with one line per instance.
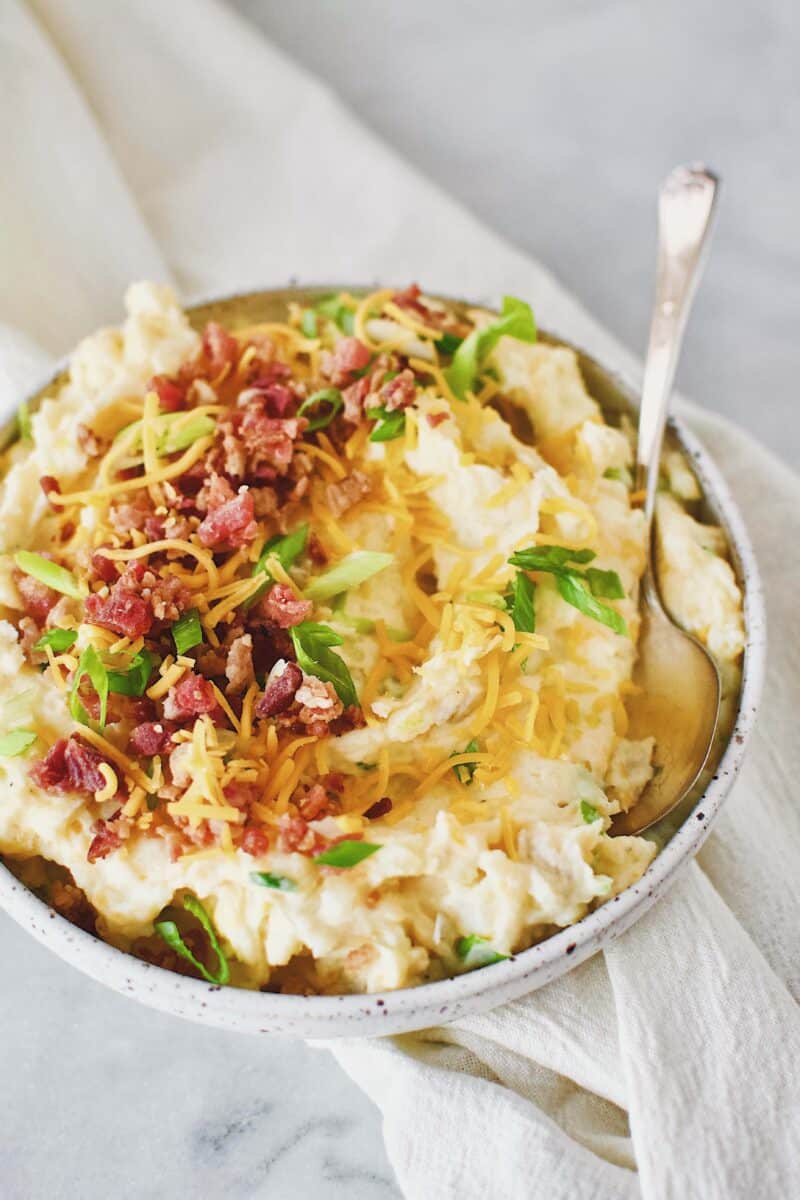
(151, 737)
(319, 704)
(280, 691)
(255, 841)
(286, 609)
(132, 513)
(48, 484)
(435, 419)
(92, 445)
(379, 809)
(240, 795)
(354, 398)
(171, 395)
(334, 781)
(37, 597)
(349, 355)
(232, 524)
(265, 501)
(29, 634)
(296, 836)
(167, 596)
(69, 766)
(239, 663)
(215, 492)
(316, 551)
(269, 441)
(352, 718)
(190, 697)
(399, 392)
(105, 841)
(103, 568)
(317, 803)
(344, 493)
(220, 348)
(122, 611)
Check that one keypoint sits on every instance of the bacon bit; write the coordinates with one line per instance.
(435, 419)
(220, 349)
(271, 372)
(334, 781)
(70, 766)
(379, 809)
(37, 597)
(48, 484)
(317, 803)
(103, 568)
(409, 297)
(316, 551)
(123, 612)
(400, 391)
(215, 492)
(265, 501)
(232, 524)
(168, 597)
(29, 634)
(131, 514)
(352, 718)
(319, 705)
(343, 494)
(286, 609)
(105, 841)
(151, 737)
(437, 318)
(240, 795)
(239, 663)
(190, 697)
(171, 396)
(295, 836)
(92, 445)
(354, 399)
(278, 399)
(349, 355)
(280, 692)
(269, 441)
(255, 841)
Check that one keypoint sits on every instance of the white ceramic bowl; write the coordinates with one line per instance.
(435, 1003)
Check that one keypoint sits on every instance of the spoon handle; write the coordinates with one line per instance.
(686, 207)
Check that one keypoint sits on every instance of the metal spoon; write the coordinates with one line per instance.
(680, 689)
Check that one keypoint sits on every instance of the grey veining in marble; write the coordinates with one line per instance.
(553, 120)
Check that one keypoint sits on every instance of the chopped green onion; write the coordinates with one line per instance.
(168, 930)
(328, 401)
(16, 742)
(312, 644)
(346, 854)
(57, 639)
(516, 321)
(620, 474)
(362, 625)
(176, 431)
(187, 631)
(521, 603)
(492, 598)
(573, 588)
(545, 558)
(364, 766)
(89, 665)
(281, 883)
(589, 812)
(56, 577)
(353, 570)
(390, 425)
(464, 772)
(578, 588)
(606, 584)
(134, 680)
(309, 325)
(286, 548)
(334, 308)
(24, 422)
(448, 343)
(476, 951)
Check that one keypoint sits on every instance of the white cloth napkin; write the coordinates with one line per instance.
(170, 141)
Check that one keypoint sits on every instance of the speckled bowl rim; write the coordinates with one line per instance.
(445, 1000)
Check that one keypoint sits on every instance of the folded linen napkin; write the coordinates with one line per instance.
(171, 141)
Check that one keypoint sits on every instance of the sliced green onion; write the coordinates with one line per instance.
(573, 588)
(521, 603)
(89, 665)
(24, 422)
(135, 679)
(334, 308)
(326, 403)
(286, 548)
(545, 558)
(578, 588)
(516, 321)
(187, 631)
(588, 812)
(168, 930)
(176, 431)
(312, 644)
(606, 584)
(390, 425)
(309, 326)
(464, 772)
(448, 343)
(476, 951)
(494, 599)
(281, 883)
(364, 766)
(620, 474)
(16, 742)
(57, 639)
(56, 577)
(353, 570)
(346, 854)
(362, 625)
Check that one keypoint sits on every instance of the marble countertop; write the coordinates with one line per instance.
(554, 123)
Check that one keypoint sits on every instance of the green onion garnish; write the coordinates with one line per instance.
(312, 644)
(168, 930)
(589, 812)
(516, 321)
(390, 425)
(494, 599)
(476, 951)
(16, 742)
(448, 343)
(281, 883)
(24, 422)
(56, 577)
(187, 631)
(464, 772)
(176, 431)
(334, 308)
(134, 680)
(286, 548)
(309, 325)
(356, 568)
(326, 404)
(57, 639)
(520, 602)
(346, 854)
(578, 588)
(89, 665)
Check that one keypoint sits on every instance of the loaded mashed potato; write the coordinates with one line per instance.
(317, 638)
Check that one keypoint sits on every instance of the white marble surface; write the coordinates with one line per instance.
(553, 121)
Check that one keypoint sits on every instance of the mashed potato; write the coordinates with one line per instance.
(303, 630)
